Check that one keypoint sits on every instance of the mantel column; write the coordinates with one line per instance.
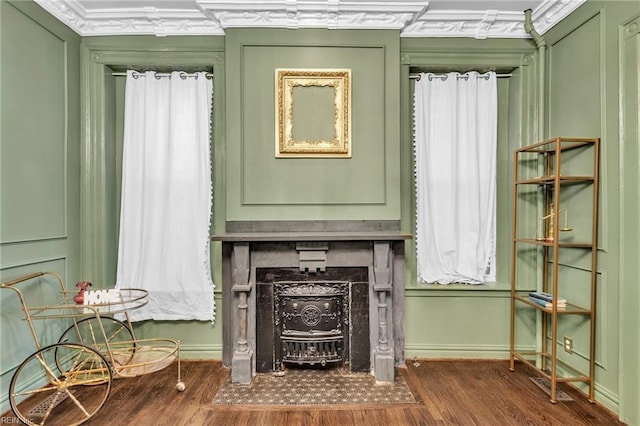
(382, 286)
(243, 355)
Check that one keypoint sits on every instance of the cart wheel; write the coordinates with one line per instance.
(50, 387)
(117, 338)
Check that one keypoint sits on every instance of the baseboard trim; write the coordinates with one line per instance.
(200, 352)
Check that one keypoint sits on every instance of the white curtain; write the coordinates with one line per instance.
(166, 195)
(455, 134)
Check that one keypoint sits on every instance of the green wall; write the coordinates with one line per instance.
(593, 61)
(590, 92)
(262, 187)
(629, 314)
(39, 171)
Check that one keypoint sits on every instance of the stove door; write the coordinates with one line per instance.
(311, 323)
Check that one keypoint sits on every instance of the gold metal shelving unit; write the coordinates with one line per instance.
(543, 172)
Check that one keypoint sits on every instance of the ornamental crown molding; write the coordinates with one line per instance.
(332, 14)
(413, 18)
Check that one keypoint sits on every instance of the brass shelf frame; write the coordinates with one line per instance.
(547, 156)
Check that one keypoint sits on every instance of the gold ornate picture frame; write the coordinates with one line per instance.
(313, 113)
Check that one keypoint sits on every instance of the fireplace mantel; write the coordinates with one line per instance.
(313, 247)
(312, 230)
(310, 236)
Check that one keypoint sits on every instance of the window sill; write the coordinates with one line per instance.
(496, 289)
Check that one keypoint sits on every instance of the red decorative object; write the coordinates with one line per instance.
(83, 286)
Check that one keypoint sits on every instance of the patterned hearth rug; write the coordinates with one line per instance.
(314, 387)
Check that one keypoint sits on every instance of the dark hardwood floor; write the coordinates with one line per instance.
(449, 392)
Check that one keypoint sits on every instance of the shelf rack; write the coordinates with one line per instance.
(542, 167)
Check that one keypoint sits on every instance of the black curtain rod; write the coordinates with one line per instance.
(158, 74)
(417, 77)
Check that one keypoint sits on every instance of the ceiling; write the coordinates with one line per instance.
(414, 18)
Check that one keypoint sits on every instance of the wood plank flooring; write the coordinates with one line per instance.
(449, 392)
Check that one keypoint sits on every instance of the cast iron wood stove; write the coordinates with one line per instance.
(312, 319)
(311, 322)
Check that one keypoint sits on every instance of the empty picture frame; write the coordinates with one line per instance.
(313, 113)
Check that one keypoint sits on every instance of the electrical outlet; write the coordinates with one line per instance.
(568, 344)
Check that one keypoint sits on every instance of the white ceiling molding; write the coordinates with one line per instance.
(481, 24)
(142, 17)
(331, 14)
(414, 18)
(475, 24)
(550, 12)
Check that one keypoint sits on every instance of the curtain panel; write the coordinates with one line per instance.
(167, 195)
(455, 142)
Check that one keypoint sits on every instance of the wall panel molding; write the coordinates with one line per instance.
(262, 187)
(629, 314)
(33, 207)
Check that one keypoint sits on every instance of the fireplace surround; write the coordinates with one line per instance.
(288, 296)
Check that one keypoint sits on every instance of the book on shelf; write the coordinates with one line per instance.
(544, 303)
(547, 297)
